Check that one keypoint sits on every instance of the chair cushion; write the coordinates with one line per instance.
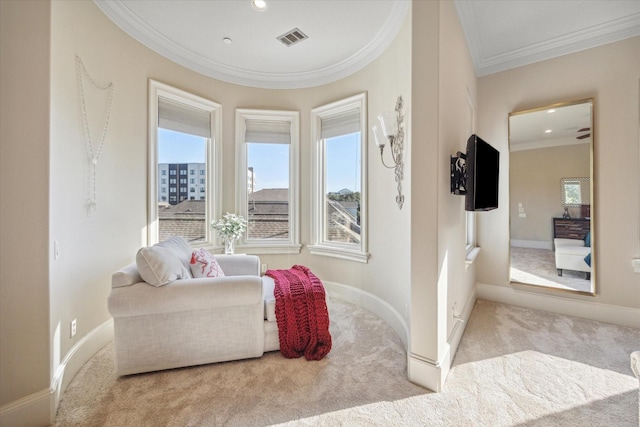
(203, 264)
(160, 264)
(180, 247)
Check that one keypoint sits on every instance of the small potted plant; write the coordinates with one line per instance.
(230, 227)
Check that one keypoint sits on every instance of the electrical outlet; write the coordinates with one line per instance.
(264, 268)
(74, 325)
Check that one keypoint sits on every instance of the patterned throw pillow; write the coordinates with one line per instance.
(203, 264)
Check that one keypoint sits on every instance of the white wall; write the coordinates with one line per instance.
(611, 75)
(24, 221)
(404, 244)
(535, 182)
(443, 83)
(93, 246)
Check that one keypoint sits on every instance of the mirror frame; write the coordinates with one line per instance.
(563, 191)
(593, 207)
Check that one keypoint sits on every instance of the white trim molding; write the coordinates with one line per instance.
(40, 408)
(213, 200)
(432, 374)
(532, 244)
(371, 303)
(608, 313)
(31, 410)
(122, 15)
(79, 354)
(428, 373)
(290, 245)
(460, 321)
(321, 132)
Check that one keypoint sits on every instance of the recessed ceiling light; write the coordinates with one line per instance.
(548, 131)
(227, 40)
(551, 111)
(259, 4)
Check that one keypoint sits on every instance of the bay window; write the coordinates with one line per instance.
(338, 135)
(267, 179)
(184, 136)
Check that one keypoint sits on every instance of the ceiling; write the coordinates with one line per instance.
(343, 36)
(553, 126)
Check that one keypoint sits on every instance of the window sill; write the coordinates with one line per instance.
(471, 256)
(347, 254)
(286, 248)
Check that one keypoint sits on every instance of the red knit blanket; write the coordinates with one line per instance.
(301, 313)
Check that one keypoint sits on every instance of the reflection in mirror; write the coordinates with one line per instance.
(575, 192)
(551, 232)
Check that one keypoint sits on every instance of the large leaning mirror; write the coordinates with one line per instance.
(551, 197)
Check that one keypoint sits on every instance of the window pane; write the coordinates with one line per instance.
(181, 154)
(343, 185)
(572, 193)
(267, 191)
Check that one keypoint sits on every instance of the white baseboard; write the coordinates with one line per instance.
(427, 373)
(615, 314)
(31, 410)
(39, 409)
(433, 374)
(532, 244)
(372, 303)
(79, 354)
(460, 325)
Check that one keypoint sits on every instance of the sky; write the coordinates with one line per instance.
(270, 160)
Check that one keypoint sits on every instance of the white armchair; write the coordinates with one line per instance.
(189, 321)
(570, 255)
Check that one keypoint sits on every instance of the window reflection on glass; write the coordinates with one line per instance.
(342, 166)
(267, 191)
(572, 193)
(575, 192)
(181, 154)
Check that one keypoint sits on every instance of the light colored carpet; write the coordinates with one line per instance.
(538, 267)
(514, 367)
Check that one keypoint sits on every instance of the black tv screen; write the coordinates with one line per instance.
(483, 164)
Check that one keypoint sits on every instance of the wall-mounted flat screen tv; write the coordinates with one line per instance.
(483, 164)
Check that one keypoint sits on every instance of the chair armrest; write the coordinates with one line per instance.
(185, 295)
(126, 276)
(238, 265)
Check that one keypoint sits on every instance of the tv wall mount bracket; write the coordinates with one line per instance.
(459, 174)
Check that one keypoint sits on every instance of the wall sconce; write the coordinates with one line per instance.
(392, 129)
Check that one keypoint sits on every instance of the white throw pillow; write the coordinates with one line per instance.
(203, 264)
(159, 265)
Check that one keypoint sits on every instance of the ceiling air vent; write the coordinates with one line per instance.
(292, 37)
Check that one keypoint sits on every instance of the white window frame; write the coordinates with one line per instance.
(353, 252)
(258, 246)
(213, 157)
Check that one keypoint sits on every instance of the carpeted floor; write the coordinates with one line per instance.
(514, 367)
(538, 267)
